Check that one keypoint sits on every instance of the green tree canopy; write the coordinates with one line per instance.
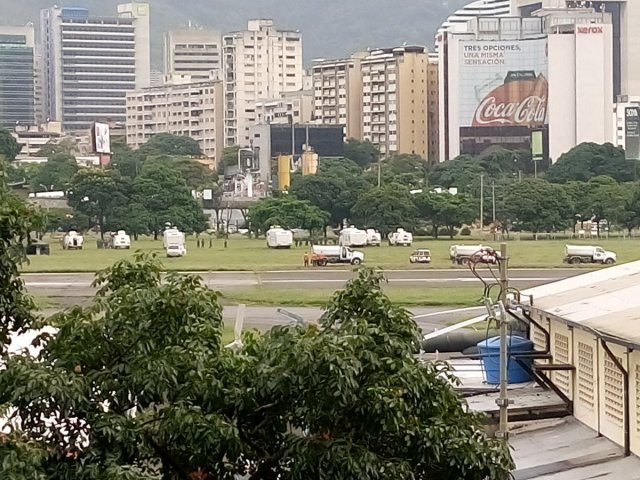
(386, 208)
(446, 210)
(163, 192)
(536, 205)
(137, 387)
(288, 212)
(9, 146)
(96, 193)
(462, 172)
(55, 174)
(364, 154)
(589, 160)
(169, 144)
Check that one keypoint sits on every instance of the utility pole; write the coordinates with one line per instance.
(481, 203)
(493, 201)
(503, 400)
(379, 170)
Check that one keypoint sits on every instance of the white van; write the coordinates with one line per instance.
(174, 242)
(121, 240)
(352, 237)
(72, 241)
(401, 238)
(278, 237)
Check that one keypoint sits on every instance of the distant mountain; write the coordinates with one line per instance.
(331, 28)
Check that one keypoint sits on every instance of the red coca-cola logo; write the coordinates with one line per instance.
(517, 103)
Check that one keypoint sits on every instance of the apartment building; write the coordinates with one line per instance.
(17, 75)
(337, 90)
(289, 107)
(395, 100)
(89, 63)
(433, 114)
(180, 107)
(193, 51)
(260, 62)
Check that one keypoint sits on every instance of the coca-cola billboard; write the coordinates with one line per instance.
(503, 93)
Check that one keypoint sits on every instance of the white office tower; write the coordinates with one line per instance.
(260, 62)
(89, 63)
(457, 22)
(193, 51)
(509, 77)
(625, 15)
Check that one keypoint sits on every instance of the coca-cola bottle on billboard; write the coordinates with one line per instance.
(520, 101)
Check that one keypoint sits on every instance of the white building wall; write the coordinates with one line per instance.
(630, 51)
(586, 385)
(594, 85)
(634, 401)
(261, 62)
(562, 95)
(612, 393)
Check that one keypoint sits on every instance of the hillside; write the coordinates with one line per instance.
(331, 28)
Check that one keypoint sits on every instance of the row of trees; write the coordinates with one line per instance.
(138, 386)
(145, 188)
(590, 182)
(139, 191)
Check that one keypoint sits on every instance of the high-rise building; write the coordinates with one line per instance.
(192, 51)
(433, 113)
(395, 100)
(289, 107)
(89, 63)
(337, 88)
(17, 75)
(508, 77)
(180, 107)
(625, 16)
(457, 22)
(260, 62)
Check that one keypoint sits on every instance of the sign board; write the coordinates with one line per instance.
(632, 133)
(503, 93)
(100, 137)
(537, 146)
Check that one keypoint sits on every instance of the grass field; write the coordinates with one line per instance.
(405, 296)
(245, 254)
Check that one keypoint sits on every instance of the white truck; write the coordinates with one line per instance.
(278, 237)
(174, 242)
(401, 238)
(121, 240)
(72, 241)
(373, 237)
(461, 254)
(575, 254)
(352, 237)
(324, 254)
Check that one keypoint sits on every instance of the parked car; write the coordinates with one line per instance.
(421, 255)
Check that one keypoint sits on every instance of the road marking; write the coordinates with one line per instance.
(446, 312)
(232, 281)
(404, 280)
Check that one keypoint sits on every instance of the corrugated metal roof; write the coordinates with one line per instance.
(606, 300)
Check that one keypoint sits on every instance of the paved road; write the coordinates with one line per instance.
(429, 318)
(79, 284)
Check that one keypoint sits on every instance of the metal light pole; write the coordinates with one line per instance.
(503, 400)
(493, 201)
(481, 203)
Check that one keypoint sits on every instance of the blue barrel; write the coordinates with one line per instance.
(490, 349)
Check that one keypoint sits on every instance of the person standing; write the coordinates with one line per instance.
(306, 259)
